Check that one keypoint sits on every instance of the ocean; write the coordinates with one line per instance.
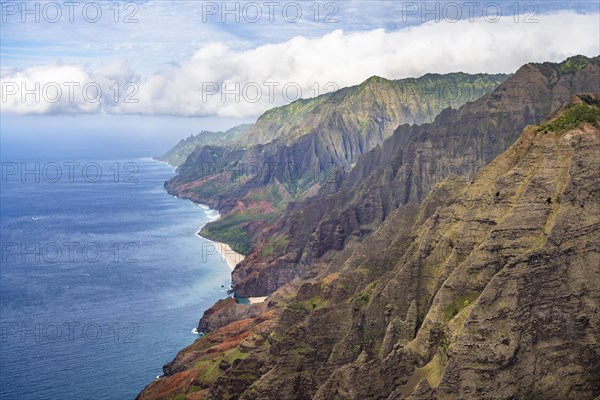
(102, 276)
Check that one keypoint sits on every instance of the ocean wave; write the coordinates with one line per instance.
(195, 332)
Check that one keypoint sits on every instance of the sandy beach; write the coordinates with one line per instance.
(227, 253)
(232, 257)
(257, 299)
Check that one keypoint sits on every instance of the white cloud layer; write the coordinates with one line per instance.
(271, 75)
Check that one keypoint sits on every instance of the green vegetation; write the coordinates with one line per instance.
(444, 344)
(231, 230)
(458, 304)
(228, 233)
(211, 370)
(270, 194)
(363, 300)
(574, 115)
(235, 354)
(276, 336)
(275, 245)
(310, 304)
(575, 63)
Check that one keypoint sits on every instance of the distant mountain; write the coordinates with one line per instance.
(404, 170)
(178, 154)
(362, 116)
(301, 143)
(487, 288)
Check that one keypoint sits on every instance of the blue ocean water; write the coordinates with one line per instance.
(102, 277)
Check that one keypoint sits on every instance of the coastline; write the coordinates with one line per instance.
(232, 257)
(227, 253)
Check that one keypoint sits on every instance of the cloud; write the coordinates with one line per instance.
(269, 75)
(64, 89)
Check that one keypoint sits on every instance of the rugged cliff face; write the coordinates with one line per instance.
(499, 285)
(405, 168)
(358, 117)
(487, 289)
(307, 141)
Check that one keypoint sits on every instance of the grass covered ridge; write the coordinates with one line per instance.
(574, 115)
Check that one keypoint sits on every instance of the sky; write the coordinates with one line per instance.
(177, 67)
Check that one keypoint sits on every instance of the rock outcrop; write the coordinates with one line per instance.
(226, 311)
